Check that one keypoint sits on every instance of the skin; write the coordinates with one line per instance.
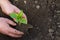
(8, 8)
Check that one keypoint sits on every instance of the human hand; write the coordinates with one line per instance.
(8, 8)
(7, 30)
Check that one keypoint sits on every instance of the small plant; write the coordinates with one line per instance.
(21, 22)
(18, 17)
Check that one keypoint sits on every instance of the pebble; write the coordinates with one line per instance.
(51, 30)
(25, 1)
(58, 11)
(36, 1)
(16, 0)
(50, 20)
(58, 25)
(55, 16)
(38, 6)
(33, 5)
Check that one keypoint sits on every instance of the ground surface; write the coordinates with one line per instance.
(44, 15)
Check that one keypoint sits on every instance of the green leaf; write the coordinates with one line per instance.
(13, 15)
(17, 20)
(19, 17)
(24, 21)
(21, 13)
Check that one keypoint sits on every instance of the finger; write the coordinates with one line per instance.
(24, 16)
(10, 22)
(14, 31)
(7, 9)
(17, 10)
(10, 34)
(6, 31)
(13, 35)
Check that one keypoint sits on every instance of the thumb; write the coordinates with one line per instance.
(17, 10)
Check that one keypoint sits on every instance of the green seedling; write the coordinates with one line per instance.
(18, 17)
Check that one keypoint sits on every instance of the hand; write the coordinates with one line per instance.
(8, 8)
(6, 29)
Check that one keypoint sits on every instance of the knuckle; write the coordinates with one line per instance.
(11, 35)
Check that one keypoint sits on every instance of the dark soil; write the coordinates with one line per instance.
(44, 15)
(24, 27)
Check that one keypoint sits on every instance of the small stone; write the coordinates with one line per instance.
(25, 1)
(16, 0)
(58, 25)
(55, 16)
(37, 28)
(36, 2)
(58, 11)
(38, 6)
(51, 30)
(52, 37)
(33, 5)
(57, 38)
(50, 20)
(35, 25)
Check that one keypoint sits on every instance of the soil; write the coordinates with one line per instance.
(44, 15)
(24, 27)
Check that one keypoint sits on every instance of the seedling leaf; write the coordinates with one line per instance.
(21, 13)
(17, 20)
(23, 21)
(13, 15)
(19, 17)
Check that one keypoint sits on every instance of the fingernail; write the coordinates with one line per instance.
(15, 24)
(21, 33)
